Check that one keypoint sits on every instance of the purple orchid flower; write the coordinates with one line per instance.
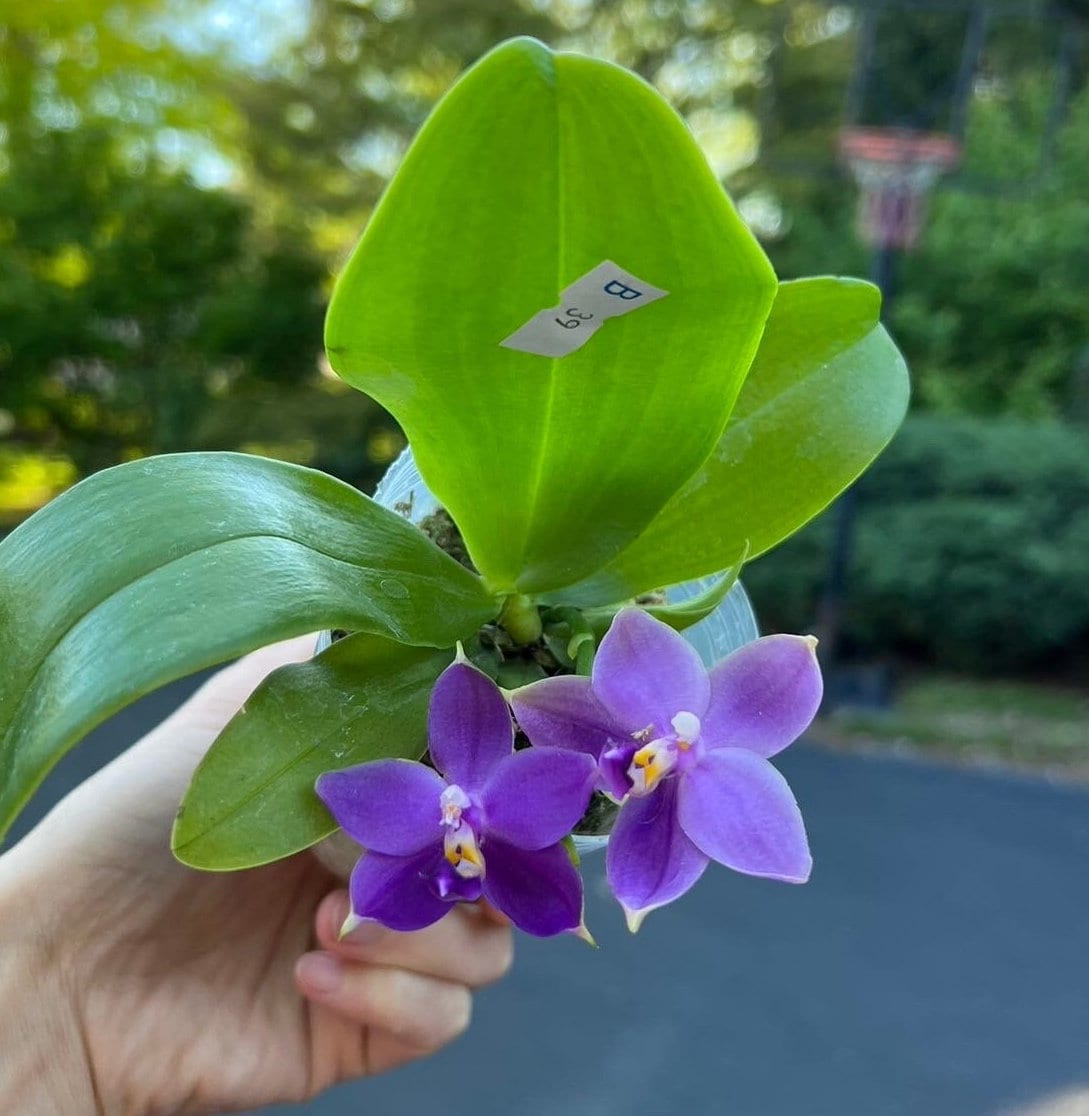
(491, 824)
(686, 752)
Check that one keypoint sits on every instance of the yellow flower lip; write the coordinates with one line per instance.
(647, 762)
(658, 757)
(462, 851)
(650, 764)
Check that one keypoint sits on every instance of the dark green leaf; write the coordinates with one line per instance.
(518, 672)
(252, 799)
(150, 571)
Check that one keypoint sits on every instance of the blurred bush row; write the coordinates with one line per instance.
(971, 550)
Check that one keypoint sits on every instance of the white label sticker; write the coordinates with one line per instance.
(606, 292)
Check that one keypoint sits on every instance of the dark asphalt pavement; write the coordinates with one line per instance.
(936, 965)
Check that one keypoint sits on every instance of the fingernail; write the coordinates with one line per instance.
(320, 972)
(362, 932)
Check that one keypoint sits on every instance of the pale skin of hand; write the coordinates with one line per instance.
(133, 986)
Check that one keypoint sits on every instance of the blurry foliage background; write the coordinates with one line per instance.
(179, 180)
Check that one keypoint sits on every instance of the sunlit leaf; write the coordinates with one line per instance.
(826, 392)
(150, 571)
(536, 168)
(252, 799)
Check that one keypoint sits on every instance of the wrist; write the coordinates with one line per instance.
(43, 1064)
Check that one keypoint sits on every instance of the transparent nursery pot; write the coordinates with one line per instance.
(730, 626)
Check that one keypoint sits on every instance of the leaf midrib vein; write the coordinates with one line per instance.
(7, 753)
(553, 363)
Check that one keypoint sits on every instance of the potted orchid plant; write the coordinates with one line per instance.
(606, 392)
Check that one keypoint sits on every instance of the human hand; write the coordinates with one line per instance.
(140, 986)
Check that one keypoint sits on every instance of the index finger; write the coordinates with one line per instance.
(470, 945)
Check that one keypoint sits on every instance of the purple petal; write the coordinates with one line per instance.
(562, 712)
(539, 891)
(469, 726)
(650, 861)
(397, 891)
(764, 695)
(739, 810)
(388, 806)
(645, 673)
(535, 797)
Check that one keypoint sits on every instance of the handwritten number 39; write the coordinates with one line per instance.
(574, 319)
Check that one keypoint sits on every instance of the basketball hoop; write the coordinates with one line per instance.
(895, 171)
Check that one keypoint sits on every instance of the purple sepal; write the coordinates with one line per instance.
(535, 797)
(469, 726)
(562, 712)
(388, 806)
(739, 811)
(539, 891)
(397, 890)
(650, 860)
(764, 695)
(645, 673)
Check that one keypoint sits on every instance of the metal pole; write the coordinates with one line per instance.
(974, 39)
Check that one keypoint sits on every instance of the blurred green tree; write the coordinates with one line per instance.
(130, 299)
(995, 307)
(178, 179)
(134, 301)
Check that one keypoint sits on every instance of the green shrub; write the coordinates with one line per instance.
(971, 549)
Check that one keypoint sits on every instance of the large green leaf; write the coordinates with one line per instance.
(152, 570)
(534, 169)
(252, 799)
(826, 392)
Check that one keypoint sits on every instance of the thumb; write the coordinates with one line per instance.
(217, 700)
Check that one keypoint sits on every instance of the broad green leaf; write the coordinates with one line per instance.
(826, 392)
(535, 169)
(252, 799)
(149, 571)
